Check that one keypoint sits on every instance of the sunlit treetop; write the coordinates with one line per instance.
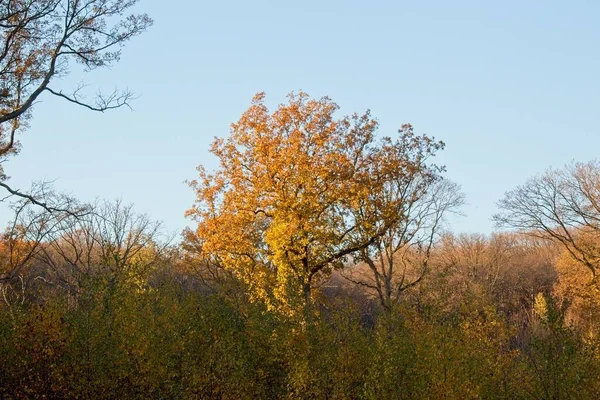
(292, 197)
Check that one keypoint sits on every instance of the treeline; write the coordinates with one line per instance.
(97, 305)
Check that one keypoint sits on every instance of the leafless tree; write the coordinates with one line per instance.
(562, 205)
(113, 241)
(110, 241)
(399, 260)
(39, 40)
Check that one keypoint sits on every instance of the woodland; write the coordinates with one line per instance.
(318, 265)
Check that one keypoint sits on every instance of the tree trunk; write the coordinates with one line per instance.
(306, 292)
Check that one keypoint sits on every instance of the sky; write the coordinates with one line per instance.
(511, 87)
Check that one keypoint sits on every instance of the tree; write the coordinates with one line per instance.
(110, 242)
(277, 210)
(574, 288)
(562, 206)
(399, 259)
(24, 239)
(284, 207)
(39, 40)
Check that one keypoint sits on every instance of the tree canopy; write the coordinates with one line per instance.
(298, 191)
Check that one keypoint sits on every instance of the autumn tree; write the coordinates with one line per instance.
(562, 205)
(39, 42)
(276, 211)
(282, 209)
(582, 296)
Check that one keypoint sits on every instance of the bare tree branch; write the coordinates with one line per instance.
(39, 39)
(559, 205)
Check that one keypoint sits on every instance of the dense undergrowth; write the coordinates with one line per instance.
(170, 340)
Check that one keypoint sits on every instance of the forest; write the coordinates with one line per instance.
(319, 263)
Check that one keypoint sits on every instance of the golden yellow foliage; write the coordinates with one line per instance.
(293, 195)
(578, 286)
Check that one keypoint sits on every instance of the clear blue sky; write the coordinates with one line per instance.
(512, 88)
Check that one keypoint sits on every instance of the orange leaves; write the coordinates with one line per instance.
(278, 202)
(286, 199)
